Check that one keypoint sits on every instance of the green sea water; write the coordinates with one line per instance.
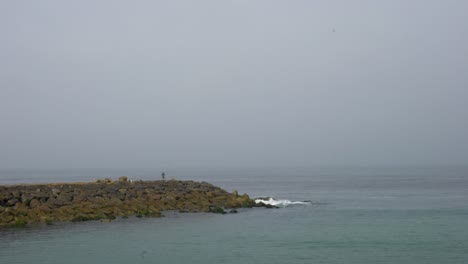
(356, 216)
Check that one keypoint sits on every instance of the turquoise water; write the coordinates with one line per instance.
(360, 215)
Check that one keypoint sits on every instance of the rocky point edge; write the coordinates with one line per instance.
(107, 199)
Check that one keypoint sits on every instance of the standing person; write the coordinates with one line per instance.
(163, 175)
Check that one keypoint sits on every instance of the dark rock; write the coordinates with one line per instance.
(269, 206)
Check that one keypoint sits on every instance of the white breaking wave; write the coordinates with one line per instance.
(280, 203)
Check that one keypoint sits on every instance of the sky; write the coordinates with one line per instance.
(142, 84)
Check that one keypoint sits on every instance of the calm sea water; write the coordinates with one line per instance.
(357, 215)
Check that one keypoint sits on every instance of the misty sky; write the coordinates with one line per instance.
(233, 83)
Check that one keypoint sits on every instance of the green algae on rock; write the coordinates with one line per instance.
(107, 199)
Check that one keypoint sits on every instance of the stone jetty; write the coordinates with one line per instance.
(106, 199)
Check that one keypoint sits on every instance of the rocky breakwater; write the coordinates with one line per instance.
(107, 199)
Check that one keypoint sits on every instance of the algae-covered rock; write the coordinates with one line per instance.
(19, 222)
(216, 210)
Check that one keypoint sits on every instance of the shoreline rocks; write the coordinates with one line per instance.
(106, 199)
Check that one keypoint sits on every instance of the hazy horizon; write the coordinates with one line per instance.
(116, 84)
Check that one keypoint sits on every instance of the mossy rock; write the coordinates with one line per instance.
(217, 210)
(148, 212)
(19, 222)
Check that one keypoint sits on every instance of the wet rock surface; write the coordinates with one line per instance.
(107, 199)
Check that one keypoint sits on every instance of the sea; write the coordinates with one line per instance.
(333, 215)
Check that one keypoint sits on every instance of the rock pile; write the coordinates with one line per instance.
(107, 199)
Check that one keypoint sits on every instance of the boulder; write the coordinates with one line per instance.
(7, 217)
(12, 202)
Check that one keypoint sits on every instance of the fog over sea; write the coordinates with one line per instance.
(353, 215)
(243, 95)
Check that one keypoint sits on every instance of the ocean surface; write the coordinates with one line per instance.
(355, 215)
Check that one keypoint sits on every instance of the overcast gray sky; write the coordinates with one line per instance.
(233, 83)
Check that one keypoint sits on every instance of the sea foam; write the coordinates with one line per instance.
(280, 203)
